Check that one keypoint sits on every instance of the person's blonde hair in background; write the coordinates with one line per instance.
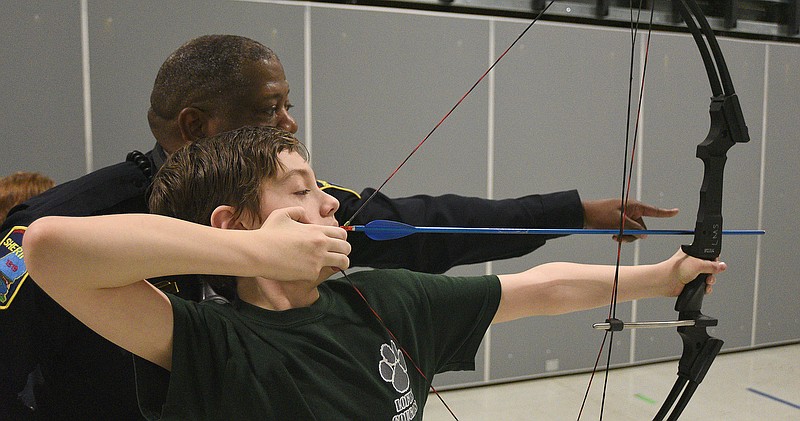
(19, 187)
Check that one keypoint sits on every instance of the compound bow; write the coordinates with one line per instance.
(727, 128)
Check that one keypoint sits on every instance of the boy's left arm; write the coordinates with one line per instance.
(557, 288)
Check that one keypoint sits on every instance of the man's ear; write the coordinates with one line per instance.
(223, 217)
(193, 124)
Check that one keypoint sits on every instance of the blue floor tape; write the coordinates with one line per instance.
(775, 398)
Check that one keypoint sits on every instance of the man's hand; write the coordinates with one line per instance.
(307, 251)
(605, 214)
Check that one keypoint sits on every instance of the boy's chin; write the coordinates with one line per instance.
(326, 274)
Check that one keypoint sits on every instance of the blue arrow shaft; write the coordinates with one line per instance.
(390, 229)
(540, 231)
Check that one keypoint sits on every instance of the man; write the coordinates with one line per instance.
(291, 349)
(208, 85)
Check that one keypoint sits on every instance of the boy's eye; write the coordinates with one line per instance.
(303, 192)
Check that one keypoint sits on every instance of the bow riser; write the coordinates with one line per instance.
(727, 129)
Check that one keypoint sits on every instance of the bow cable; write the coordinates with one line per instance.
(627, 173)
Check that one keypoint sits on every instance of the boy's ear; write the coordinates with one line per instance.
(223, 217)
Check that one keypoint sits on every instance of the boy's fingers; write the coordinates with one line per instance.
(297, 213)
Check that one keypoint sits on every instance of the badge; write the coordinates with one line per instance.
(12, 267)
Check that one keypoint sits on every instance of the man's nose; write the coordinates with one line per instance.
(287, 122)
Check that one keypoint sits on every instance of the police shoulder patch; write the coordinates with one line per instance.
(12, 266)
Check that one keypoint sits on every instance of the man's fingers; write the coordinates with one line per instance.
(631, 224)
(712, 267)
(336, 257)
(338, 248)
(711, 279)
(655, 212)
(634, 224)
(628, 238)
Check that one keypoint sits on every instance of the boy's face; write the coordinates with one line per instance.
(296, 185)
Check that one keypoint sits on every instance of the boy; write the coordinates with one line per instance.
(296, 348)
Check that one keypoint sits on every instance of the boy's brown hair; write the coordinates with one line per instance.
(226, 169)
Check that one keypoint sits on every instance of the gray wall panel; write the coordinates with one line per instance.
(42, 90)
(381, 81)
(561, 106)
(779, 288)
(130, 39)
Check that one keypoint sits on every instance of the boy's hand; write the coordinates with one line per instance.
(686, 268)
(321, 250)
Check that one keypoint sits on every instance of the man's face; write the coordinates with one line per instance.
(296, 185)
(265, 102)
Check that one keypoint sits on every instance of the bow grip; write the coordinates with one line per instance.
(706, 246)
(691, 298)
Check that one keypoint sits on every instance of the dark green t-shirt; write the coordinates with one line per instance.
(332, 360)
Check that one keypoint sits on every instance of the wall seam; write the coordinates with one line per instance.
(307, 79)
(761, 185)
(87, 90)
(487, 353)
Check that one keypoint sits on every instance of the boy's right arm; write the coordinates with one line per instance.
(94, 267)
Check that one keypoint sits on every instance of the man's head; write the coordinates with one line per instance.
(217, 83)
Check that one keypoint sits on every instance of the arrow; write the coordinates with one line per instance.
(390, 230)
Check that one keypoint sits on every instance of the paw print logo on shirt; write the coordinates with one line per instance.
(393, 367)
